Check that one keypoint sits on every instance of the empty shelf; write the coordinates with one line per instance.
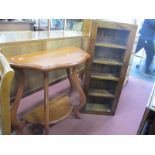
(107, 61)
(98, 108)
(104, 76)
(110, 45)
(100, 93)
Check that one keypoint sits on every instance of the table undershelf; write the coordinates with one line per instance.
(59, 109)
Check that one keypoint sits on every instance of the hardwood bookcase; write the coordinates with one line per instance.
(110, 47)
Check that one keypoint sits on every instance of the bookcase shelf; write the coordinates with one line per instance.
(111, 47)
(107, 61)
(100, 93)
(104, 76)
(96, 108)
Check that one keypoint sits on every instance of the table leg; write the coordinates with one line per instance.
(77, 86)
(70, 78)
(15, 105)
(46, 106)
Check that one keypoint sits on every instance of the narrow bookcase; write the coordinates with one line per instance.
(110, 46)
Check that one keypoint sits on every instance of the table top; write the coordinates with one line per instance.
(50, 60)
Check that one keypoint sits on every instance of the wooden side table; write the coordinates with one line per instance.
(65, 58)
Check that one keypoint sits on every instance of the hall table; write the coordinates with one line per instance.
(45, 61)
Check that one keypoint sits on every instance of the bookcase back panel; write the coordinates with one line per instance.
(113, 36)
(100, 68)
(109, 53)
(104, 84)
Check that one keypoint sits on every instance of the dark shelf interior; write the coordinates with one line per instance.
(106, 71)
(103, 84)
(99, 104)
(112, 36)
(109, 53)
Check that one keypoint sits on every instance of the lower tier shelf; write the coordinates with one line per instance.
(95, 108)
(104, 76)
(100, 93)
(59, 109)
(114, 62)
